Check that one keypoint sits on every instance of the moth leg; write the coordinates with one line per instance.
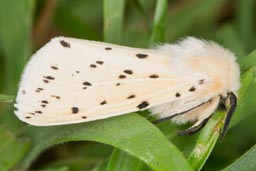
(195, 128)
(204, 113)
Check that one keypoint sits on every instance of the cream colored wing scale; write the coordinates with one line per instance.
(71, 81)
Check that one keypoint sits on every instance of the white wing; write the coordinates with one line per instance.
(72, 80)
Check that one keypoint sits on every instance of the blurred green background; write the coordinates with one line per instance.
(26, 25)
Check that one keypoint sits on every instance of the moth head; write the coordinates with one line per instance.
(230, 76)
(220, 64)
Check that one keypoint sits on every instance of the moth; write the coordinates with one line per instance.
(72, 80)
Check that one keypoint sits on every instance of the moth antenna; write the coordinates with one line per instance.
(233, 104)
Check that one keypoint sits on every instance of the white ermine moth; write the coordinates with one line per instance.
(72, 80)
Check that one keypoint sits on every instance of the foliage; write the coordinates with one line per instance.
(128, 142)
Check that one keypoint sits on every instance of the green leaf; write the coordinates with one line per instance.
(121, 161)
(190, 16)
(229, 37)
(12, 150)
(130, 133)
(6, 98)
(246, 81)
(159, 24)
(245, 163)
(102, 166)
(15, 30)
(113, 20)
(248, 92)
(248, 61)
(245, 18)
(79, 18)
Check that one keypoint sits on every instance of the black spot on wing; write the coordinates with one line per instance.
(45, 101)
(177, 94)
(118, 84)
(153, 76)
(121, 76)
(56, 97)
(84, 117)
(141, 55)
(127, 71)
(142, 105)
(49, 77)
(28, 117)
(54, 67)
(75, 110)
(131, 96)
(103, 102)
(65, 44)
(108, 48)
(93, 66)
(86, 83)
(39, 112)
(193, 88)
(100, 62)
(201, 81)
(38, 90)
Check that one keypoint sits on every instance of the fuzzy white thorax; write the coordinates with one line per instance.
(202, 59)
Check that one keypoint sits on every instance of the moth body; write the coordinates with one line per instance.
(72, 80)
